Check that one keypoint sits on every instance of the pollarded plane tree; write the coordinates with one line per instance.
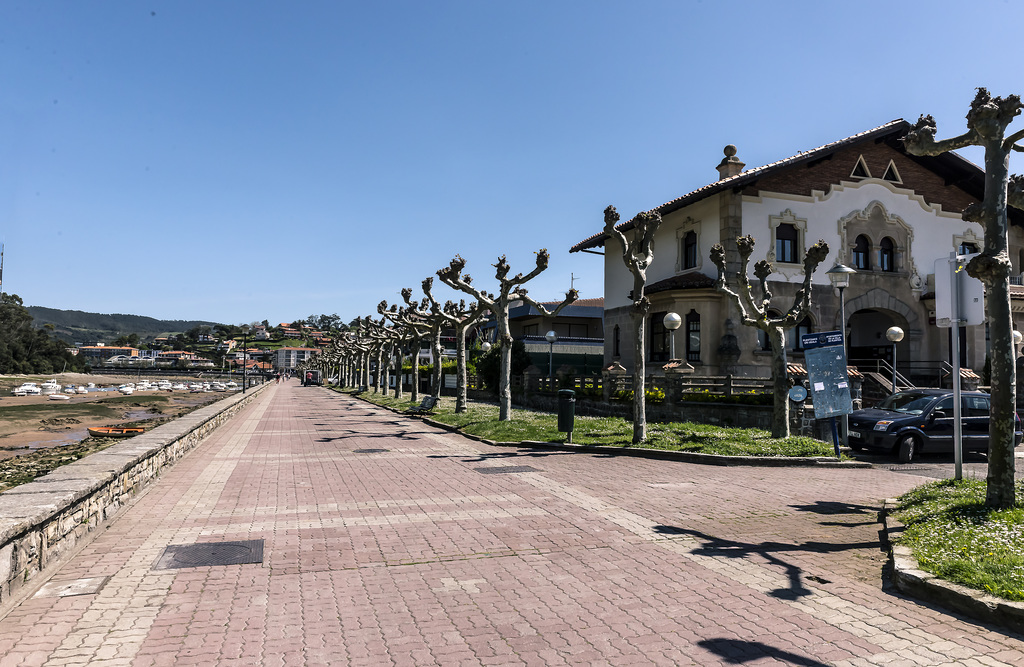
(987, 123)
(460, 317)
(413, 329)
(399, 334)
(429, 312)
(380, 338)
(755, 313)
(637, 255)
(509, 290)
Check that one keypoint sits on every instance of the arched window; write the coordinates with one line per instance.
(690, 249)
(887, 255)
(693, 336)
(862, 253)
(660, 341)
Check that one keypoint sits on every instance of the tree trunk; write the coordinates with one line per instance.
(460, 361)
(437, 376)
(995, 273)
(780, 383)
(415, 394)
(639, 377)
(398, 359)
(505, 378)
(379, 388)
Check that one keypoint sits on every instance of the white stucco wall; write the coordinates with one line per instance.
(935, 232)
(618, 281)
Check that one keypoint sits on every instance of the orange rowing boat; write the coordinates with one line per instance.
(115, 431)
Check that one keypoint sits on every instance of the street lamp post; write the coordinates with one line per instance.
(551, 337)
(245, 351)
(839, 275)
(895, 335)
(672, 321)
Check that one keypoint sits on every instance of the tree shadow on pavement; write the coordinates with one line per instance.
(832, 508)
(738, 652)
(496, 456)
(716, 546)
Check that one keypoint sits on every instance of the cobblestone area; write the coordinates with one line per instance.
(385, 544)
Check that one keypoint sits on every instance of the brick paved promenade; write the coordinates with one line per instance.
(388, 542)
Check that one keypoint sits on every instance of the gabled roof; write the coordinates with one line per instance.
(954, 168)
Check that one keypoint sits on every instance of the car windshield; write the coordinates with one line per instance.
(910, 403)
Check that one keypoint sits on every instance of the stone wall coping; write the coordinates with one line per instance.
(38, 501)
(910, 579)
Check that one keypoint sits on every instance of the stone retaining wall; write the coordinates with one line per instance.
(44, 520)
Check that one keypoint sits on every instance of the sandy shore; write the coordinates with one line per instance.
(52, 425)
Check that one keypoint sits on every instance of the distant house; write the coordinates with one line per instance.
(261, 333)
(579, 331)
(227, 345)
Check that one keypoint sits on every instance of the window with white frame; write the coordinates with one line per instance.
(688, 246)
(788, 232)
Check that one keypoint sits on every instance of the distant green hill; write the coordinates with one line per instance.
(76, 326)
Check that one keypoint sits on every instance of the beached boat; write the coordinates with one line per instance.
(50, 387)
(81, 390)
(27, 389)
(115, 431)
(127, 390)
(59, 397)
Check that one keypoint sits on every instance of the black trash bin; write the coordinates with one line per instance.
(566, 410)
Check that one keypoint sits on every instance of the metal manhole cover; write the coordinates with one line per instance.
(369, 451)
(504, 469)
(204, 554)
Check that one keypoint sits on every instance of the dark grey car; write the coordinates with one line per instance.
(921, 421)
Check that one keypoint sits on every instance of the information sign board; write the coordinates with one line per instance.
(825, 355)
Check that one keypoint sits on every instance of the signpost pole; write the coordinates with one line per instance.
(954, 332)
(835, 435)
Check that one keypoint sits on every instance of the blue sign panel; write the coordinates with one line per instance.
(825, 355)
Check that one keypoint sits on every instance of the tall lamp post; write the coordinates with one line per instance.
(245, 353)
(895, 335)
(672, 321)
(839, 275)
(551, 337)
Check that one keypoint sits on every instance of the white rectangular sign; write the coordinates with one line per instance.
(970, 290)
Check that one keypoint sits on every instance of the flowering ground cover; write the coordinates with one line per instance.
(956, 537)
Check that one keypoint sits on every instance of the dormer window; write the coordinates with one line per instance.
(891, 174)
(860, 170)
(690, 250)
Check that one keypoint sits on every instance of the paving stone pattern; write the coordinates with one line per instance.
(385, 544)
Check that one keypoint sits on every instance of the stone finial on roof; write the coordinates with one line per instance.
(730, 164)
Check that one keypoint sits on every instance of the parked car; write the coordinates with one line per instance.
(918, 421)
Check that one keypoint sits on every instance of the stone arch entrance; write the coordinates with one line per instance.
(868, 318)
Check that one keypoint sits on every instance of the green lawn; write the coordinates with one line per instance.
(956, 537)
(482, 420)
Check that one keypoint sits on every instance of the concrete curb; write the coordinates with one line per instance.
(643, 452)
(915, 582)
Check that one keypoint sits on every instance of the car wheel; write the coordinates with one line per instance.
(856, 447)
(907, 449)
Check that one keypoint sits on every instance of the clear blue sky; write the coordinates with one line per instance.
(240, 161)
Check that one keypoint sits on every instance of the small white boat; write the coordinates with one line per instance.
(231, 386)
(70, 389)
(180, 386)
(27, 389)
(58, 397)
(81, 390)
(91, 385)
(50, 387)
(127, 390)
